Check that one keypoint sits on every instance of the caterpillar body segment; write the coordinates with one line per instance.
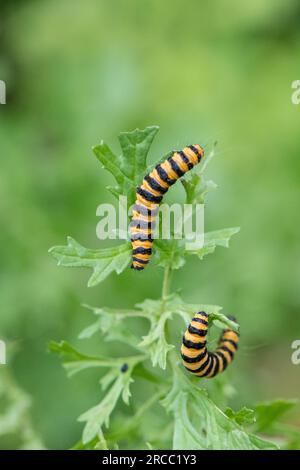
(196, 358)
(150, 194)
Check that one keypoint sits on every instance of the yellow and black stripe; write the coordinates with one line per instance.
(196, 358)
(149, 195)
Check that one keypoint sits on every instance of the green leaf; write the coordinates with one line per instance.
(159, 312)
(196, 188)
(101, 444)
(74, 361)
(244, 416)
(220, 237)
(200, 424)
(111, 324)
(90, 330)
(123, 428)
(97, 443)
(135, 146)
(129, 168)
(99, 415)
(155, 341)
(103, 261)
(169, 253)
(172, 252)
(157, 346)
(214, 239)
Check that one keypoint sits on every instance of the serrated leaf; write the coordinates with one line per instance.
(109, 378)
(169, 253)
(129, 168)
(158, 349)
(111, 323)
(214, 239)
(99, 415)
(196, 188)
(117, 313)
(103, 261)
(155, 341)
(97, 443)
(200, 424)
(74, 361)
(244, 416)
(90, 330)
(172, 252)
(135, 146)
(220, 237)
(101, 444)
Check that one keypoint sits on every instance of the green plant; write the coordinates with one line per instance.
(189, 418)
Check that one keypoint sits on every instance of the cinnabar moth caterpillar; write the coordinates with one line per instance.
(149, 195)
(196, 358)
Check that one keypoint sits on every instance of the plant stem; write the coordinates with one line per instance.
(166, 283)
(172, 357)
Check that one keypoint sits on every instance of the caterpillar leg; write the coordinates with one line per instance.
(196, 358)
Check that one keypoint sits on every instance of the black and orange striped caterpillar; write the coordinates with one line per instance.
(149, 195)
(196, 358)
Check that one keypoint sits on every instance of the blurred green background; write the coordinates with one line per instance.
(78, 71)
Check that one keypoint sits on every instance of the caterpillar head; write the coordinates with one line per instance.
(200, 150)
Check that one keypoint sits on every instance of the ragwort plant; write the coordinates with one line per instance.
(191, 418)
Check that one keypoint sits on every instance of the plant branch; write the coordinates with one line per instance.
(166, 283)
